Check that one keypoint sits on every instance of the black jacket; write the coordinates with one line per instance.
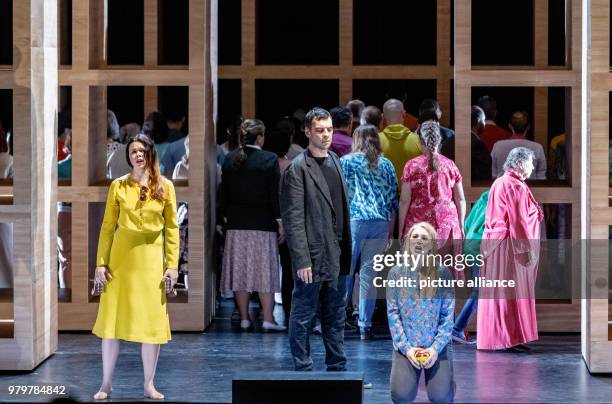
(249, 194)
(309, 220)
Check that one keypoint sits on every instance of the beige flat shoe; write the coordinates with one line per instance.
(101, 395)
(154, 395)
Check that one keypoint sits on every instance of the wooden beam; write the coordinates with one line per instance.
(151, 25)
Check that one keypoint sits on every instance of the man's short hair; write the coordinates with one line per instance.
(489, 106)
(315, 114)
(520, 121)
(341, 117)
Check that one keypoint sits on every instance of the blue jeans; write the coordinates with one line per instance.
(328, 298)
(369, 238)
(470, 306)
(438, 379)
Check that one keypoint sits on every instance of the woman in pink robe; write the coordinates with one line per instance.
(510, 245)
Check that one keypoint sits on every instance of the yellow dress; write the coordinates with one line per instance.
(132, 241)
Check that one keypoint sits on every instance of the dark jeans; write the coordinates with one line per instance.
(330, 298)
(438, 379)
(287, 279)
(470, 306)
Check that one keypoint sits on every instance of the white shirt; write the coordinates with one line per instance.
(6, 166)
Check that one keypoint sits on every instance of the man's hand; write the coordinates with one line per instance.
(305, 274)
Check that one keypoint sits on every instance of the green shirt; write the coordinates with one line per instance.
(474, 225)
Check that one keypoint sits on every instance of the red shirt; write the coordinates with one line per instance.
(492, 134)
(61, 154)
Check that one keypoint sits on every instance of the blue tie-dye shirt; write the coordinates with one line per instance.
(372, 193)
(416, 321)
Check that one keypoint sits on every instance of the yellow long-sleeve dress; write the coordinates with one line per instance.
(138, 241)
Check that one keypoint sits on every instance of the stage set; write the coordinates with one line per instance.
(64, 64)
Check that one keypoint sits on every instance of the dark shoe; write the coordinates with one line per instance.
(366, 333)
(463, 338)
(522, 348)
(348, 327)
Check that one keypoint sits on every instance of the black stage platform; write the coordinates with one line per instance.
(199, 367)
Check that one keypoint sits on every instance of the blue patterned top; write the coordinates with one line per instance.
(419, 322)
(372, 193)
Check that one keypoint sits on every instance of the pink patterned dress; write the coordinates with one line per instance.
(432, 199)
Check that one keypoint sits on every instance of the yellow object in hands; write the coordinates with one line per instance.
(422, 357)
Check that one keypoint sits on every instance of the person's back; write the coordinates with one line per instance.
(399, 144)
(502, 149)
(493, 134)
(431, 191)
(246, 196)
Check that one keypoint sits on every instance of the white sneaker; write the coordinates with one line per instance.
(245, 325)
(272, 327)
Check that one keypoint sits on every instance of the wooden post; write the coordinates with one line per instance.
(34, 212)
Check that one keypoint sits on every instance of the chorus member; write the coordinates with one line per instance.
(430, 110)
(474, 227)
(137, 249)
(481, 158)
(342, 119)
(433, 192)
(356, 107)
(314, 205)
(156, 127)
(519, 125)
(373, 199)
(420, 321)
(371, 115)
(491, 133)
(510, 245)
(398, 143)
(250, 208)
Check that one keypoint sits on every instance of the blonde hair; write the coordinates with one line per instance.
(428, 268)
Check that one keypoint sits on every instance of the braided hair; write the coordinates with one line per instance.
(429, 133)
(249, 130)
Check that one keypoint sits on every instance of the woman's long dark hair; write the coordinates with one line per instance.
(366, 141)
(155, 181)
(233, 132)
(250, 129)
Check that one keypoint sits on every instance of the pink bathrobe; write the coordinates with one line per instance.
(506, 316)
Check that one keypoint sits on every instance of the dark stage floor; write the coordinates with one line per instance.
(198, 367)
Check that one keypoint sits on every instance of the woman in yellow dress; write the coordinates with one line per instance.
(138, 240)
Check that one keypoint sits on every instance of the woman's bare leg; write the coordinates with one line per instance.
(243, 298)
(110, 352)
(267, 305)
(150, 354)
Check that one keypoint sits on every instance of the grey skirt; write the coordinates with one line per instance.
(250, 261)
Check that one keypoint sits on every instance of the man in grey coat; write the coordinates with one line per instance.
(315, 214)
